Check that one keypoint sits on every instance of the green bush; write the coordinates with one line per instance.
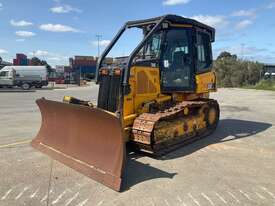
(264, 85)
(234, 72)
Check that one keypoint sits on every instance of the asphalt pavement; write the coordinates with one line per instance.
(233, 166)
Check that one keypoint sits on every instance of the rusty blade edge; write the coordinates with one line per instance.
(107, 179)
(74, 159)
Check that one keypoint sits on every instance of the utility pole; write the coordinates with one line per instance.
(98, 36)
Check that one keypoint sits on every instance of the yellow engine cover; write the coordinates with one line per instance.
(145, 88)
(205, 82)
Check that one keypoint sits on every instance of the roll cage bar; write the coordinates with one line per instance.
(157, 22)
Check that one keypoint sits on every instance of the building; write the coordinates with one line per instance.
(270, 68)
(59, 69)
(68, 75)
(21, 59)
(269, 71)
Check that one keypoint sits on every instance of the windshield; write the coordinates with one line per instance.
(176, 61)
(4, 74)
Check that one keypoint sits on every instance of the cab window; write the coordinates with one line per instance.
(204, 55)
(4, 74)
(151, 49)
(176, 60)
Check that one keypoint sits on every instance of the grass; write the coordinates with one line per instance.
(263, 85)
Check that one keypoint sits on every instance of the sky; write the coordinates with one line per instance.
(55, 30)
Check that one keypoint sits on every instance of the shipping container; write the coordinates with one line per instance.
(15, 61)
(89, 58)
(84, 62)
(21, 56)
(108, 60)
(23, 62)
(86, 69)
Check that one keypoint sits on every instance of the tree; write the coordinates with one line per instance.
(35, 61)
(49, 68)
(226, 54)
(234, 72)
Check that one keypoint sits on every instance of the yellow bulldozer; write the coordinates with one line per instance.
(155, 101)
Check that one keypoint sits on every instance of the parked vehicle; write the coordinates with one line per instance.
(269, 75)
(24, 76)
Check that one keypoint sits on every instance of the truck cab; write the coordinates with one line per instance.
(7, 77)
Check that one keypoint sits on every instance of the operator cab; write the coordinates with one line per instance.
(171, 50)
(179, 47)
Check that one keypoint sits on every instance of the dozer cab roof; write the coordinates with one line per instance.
(174, 19)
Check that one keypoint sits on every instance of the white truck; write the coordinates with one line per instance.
(24, 76)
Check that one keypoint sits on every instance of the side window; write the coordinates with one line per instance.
(204, 55)
(4, 74)
(151, 50)
(155, 45)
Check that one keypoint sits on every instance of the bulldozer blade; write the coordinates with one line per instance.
(89, 140)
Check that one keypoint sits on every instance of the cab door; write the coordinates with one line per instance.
(6, 78)
(177, 62)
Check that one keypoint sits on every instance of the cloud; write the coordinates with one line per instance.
(3, 51)
(242, 50)
(214, 21)
(55, 58)
(244, 13)
(1, 6)
(25, 33)
(102, 43)
(248, 52)
(64, 9)
(48, 55)
(243, 24)
(20, 40)
(175, 2)
(267, 59)
(57, 28)
(20, 23)
(39, 53)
